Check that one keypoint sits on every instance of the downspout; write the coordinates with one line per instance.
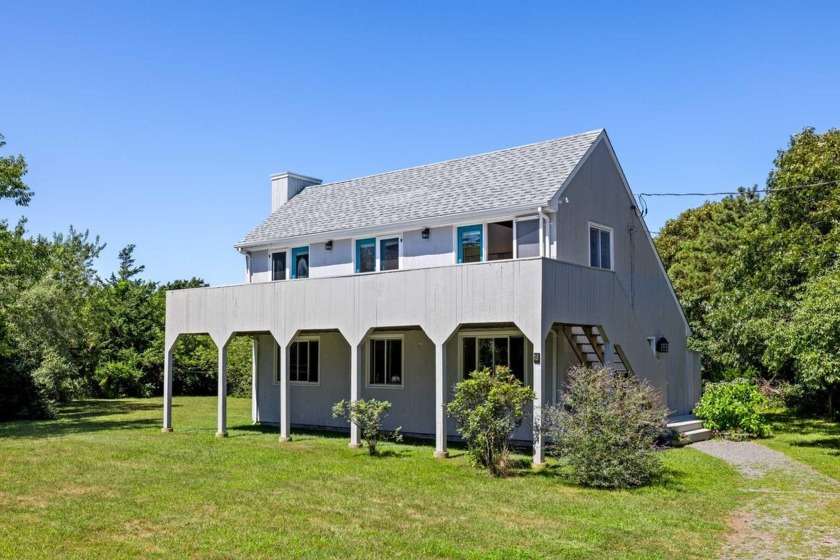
(543, 230)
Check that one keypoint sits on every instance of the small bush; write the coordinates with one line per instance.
(488, 407)
(605, 428)
(368, 416)
(731, 408)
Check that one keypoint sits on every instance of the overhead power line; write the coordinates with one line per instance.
(644, 207)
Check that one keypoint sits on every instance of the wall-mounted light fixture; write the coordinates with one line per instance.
(328, 245)
(425, 233)
(662, 345)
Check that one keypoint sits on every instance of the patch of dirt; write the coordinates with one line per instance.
(788, 509)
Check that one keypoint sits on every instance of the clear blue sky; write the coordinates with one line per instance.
(158, 123)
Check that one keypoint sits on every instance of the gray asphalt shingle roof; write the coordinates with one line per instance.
(512, 177)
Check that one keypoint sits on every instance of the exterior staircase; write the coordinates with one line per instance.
(689, 428)
(588, 343)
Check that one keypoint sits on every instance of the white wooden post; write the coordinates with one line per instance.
(539, 400)
(255, 411)
(440, 401)
(285, 399)
(221, 431)
(355, 389)
(167, 390)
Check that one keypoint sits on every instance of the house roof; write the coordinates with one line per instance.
(509, 178)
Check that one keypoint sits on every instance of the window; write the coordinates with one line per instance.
(300, 262)
(366, 255)
(385, 362)
(389, 254)
(303, 361)
(478, 352)
(600, 247)
(470, 243)
(500, 241)
(528, 237)
(278, 266)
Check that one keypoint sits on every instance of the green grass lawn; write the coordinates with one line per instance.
(103, 482)
(814, 441)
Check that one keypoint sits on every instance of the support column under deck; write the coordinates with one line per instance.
(285, 397)
(167, 390)
(539, 402)
(440, 404)
(355, 389)
(221, 430)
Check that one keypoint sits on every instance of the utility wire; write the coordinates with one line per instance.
(644, 207)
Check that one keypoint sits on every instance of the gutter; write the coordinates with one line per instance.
(385, 229)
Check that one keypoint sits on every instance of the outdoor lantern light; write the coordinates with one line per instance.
(328, 245)
(425, 233)
(662, 345)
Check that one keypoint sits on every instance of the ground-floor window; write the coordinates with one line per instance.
(304, 361)
(478, 352)
(385, 362)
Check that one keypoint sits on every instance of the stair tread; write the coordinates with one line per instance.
(683, 423)
(697, 431)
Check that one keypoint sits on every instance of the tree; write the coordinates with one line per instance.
(697, 248)
(605, 427)
(489, 406)
(12, 170)
(367, 415)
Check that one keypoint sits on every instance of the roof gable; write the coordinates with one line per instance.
(513, 177)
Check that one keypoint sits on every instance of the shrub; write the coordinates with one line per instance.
(731, 408)
(488, 407)
(122, 379)
(605, 428)
(368, 416)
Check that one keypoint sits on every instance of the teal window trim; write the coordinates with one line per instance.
(295, 252)
(359, 244)
(466, 229)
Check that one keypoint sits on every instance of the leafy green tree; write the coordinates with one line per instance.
(605, 427)
(12, 170)
(489, 406)
(368, 416)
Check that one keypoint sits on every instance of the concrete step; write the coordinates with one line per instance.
(693, 436)
(684, 426)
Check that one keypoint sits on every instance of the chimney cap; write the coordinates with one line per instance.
(293, 175)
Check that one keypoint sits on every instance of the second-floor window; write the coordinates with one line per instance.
(366, 255)
(300, 262)
(600, 247)
(389, 254)
(278, 266)
(470, 243)
(377, 254)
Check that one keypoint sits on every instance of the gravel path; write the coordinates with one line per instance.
(789, 510)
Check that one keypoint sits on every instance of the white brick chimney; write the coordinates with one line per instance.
(286, 185)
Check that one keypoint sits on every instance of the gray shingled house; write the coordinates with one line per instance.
(396, 285)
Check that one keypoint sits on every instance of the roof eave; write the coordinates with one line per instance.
(410, 225)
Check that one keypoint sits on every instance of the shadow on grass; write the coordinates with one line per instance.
(84, 416)
(830, 443)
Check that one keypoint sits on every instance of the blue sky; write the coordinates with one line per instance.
(158, 123)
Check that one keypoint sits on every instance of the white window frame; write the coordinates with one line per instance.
(651, 340)
(609, 230)
(271, 254)
(301, 383)
(369, 360)
(381, 238)
(484, 241)
(515, 231)
(492, 334)
(377, 251)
